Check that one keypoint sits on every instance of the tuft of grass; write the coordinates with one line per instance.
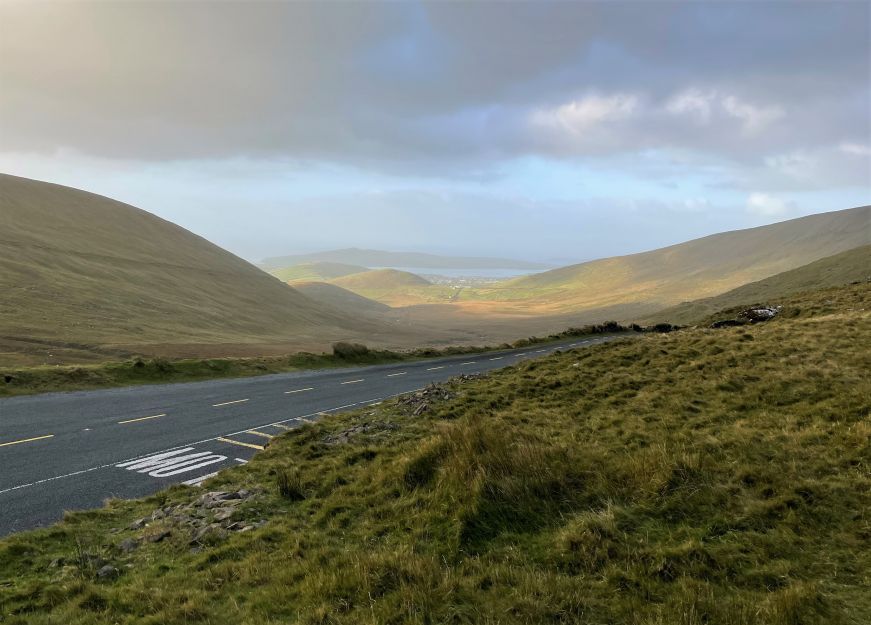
(689, 478)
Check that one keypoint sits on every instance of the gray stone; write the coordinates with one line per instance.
(108, 572)
(128, 544)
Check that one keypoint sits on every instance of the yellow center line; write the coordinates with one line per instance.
(157, 416)
(27, 440)
(230, 440)
(353, 381)
(227, 403)
(300, 390)
(280, 425)
(256, 433)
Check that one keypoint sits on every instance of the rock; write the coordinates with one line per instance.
(728, 323)
(222, 514)
(108, 572)
(138, 524)
(127, 545)
(210, 534)
(159, 536)
(760, 313)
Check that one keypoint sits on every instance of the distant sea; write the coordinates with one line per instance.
(465, 273)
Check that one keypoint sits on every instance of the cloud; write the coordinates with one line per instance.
(766, 205)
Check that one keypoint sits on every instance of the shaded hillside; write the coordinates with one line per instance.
(850, 266)
(378, 258)
(681, 479)
(699, 268)
(316, 271)
(336, 297)
(79, 269)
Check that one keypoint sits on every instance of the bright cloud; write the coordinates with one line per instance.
(766, 205)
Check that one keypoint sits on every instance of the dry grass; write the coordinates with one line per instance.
(703, 477)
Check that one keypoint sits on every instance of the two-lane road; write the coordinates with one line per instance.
(70, 451)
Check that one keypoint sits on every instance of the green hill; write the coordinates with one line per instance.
(79, 271)
(338, 298)
(699, 268)
(700, 477)
(378, 258)
(316, 271)
(850, 266)
(378, 279)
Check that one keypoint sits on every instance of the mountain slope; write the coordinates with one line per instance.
(336, 297)
(699, 268)
(850, 266)
(80, 268)
(316, 271)
(378, 258)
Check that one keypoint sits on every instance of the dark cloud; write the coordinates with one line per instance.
(432, 86)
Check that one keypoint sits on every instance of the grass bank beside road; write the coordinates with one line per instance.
(702, 477)
(30, 380)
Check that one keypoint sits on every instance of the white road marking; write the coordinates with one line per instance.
(27, 440)
(393, 375)
(171, 463)
(471, 362)
(242, 460)
(199, 480)
(436, 368)
(523, 354)
(538, 351)
(300, 390)
(497, 358)
(200, 442)
(227, 403)
(353, 381)
(157, 416)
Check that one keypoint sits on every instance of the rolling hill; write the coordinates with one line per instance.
(336, 297)
(316, 271)
(850, 266)
(700, 268)
(378, 258)
(79, 271)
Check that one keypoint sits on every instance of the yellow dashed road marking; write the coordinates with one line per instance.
(27, 440)
(256, 433)
(230, 440)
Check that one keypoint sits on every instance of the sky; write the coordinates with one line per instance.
(555, 131)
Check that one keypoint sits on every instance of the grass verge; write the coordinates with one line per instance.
(702, 477)
(31, 380)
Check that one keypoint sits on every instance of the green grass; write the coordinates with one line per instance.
(701, 477)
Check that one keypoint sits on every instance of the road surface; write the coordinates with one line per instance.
(71, 451)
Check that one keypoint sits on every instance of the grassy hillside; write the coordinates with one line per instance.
(850, 266)
(703, 477)
(396, 288)
(342, 299)
(378, 258)
(79, 270)
(316, 271)
(700, 268)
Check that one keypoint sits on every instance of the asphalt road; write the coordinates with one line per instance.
(71, 451)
